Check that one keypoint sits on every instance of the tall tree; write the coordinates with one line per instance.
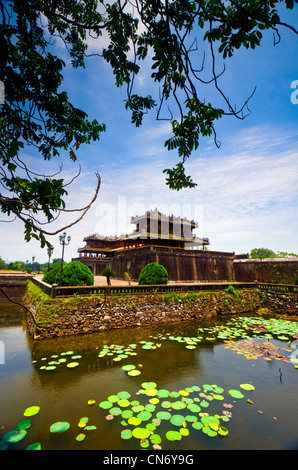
(36, 113)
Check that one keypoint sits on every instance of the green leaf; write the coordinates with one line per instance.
(31, 411)
(59, 427)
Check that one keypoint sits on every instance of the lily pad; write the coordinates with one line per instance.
(144, 443)
(80, 437)
(128, 367)
(155, 439)
(60, 426)
(222, 431)
(197, 425)
(214, 426)
(218, 397)
(177, 420)
(106, 404)
(34, 446)
(183, 393)
(126, 434)
(71, 365)
(148, 385)
(162, 393)
(236, 394)
(83, 421)
(206, 420)
(204, 404)
(14, 436)
(134, 421)
(151, 392)
(173, 436)
(247, 386)
(191, 418)
(124, 394)
(207, 430)
(127, 414)
(25, 424)
(194, 408)
(134, 372)
(163, 415)
(178, 405)
(113, 398)
(123, 403)
(144, 415)
(115, 411)
(141, 433)
(166, 404)
(31, 411)
(154, 401)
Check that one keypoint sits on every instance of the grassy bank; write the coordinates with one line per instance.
(77, 315)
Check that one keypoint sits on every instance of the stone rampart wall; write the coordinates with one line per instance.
(74, 316)
(267, 270)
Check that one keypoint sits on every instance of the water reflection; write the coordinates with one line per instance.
(173, 362)
(166, 359)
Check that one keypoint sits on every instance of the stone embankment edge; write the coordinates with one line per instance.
(81, 315)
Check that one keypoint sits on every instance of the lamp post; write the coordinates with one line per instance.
(33, 259)
(63, 243)
(50, 252)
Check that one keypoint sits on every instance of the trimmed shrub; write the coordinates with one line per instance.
(153, 273)
(51, 273)
(75, 274)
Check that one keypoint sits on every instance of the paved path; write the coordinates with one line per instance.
(102, 281)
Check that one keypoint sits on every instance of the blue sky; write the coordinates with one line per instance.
(247, 189)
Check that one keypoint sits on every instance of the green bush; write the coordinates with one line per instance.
(75, 274)
(153, 273)
(230, 290)
(51, 272)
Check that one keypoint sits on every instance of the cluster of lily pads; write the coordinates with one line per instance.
(117, 351)
(253, 350)
(157, 415)
(20, 431)
(183, 412)
(68, 358)
(237, 328)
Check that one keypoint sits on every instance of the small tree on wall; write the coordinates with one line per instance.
(153, 273)
(108, 273)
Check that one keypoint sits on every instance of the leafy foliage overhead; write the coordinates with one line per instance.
(171, 35)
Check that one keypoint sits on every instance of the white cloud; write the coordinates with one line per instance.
(246, 196)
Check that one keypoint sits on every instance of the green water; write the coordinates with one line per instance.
(62, 393)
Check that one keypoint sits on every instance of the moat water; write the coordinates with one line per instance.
(167, 378)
